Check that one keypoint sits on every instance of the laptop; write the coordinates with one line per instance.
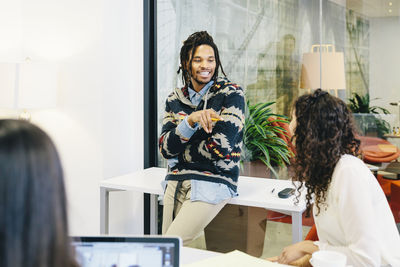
(145, 251)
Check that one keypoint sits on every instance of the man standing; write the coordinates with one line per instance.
(201, 138)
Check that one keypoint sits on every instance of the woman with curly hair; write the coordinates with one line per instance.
(351, 213)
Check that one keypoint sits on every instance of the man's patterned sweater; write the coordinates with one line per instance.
(205, 156)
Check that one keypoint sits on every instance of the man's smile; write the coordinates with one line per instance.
(205, 74)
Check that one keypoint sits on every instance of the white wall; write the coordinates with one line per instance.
(123, 108)
(10, 30)
(384, 62)
(97, 125)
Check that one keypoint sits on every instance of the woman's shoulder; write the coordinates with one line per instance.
(351, 169)
(350, 160)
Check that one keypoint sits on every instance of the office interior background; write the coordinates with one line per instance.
(265, 46)
(97, 117)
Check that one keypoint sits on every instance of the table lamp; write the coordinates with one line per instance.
(28, 85)
(323, 68)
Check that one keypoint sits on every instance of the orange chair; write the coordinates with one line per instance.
(386, 184)
(312, 234)
(377, 150)
(395, 201)
(283, 218)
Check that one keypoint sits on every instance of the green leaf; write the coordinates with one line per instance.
(263, 149)
(261, 106)
(261, 131)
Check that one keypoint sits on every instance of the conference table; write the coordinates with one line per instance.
(191, 256)
(253, 192)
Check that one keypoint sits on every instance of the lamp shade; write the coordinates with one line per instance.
(330, 75)
(37, 86)
(7, 84)
(28, 85)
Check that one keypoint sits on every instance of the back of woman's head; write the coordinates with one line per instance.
(33, 218)
(324, 132)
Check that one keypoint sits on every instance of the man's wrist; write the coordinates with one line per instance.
(186, 130)
(190, 121)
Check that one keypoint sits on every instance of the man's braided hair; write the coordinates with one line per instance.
(187, 52)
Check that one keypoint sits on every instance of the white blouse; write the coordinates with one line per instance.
(357, 220)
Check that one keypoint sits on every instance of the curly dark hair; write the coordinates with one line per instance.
(324, 132)
(187, 52)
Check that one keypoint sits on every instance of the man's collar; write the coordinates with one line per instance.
(203, 90)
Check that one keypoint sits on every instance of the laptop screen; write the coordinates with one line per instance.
(127, 251)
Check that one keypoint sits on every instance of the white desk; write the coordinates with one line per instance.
(190, 255)
(253, 192)
(193, 255)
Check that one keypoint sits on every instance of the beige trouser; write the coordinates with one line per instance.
(191, 217)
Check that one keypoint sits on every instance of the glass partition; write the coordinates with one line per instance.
(271, 48)
(367, 32)
(261, 44)
(279, 49)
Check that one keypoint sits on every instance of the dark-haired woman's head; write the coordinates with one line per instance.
(33, 217)
(187, 57)
(323, 131)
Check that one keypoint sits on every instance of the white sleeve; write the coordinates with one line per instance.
(351, 193)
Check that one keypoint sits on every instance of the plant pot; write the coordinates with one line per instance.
(237, 227)
(240, 227)
(256, 169)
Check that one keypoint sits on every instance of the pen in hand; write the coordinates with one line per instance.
(212, 119)
(216, 119)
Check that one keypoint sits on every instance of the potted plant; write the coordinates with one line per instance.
(265, 140)
(368, 124)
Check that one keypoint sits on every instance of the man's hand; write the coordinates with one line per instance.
(205, 118)
(296, 251)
